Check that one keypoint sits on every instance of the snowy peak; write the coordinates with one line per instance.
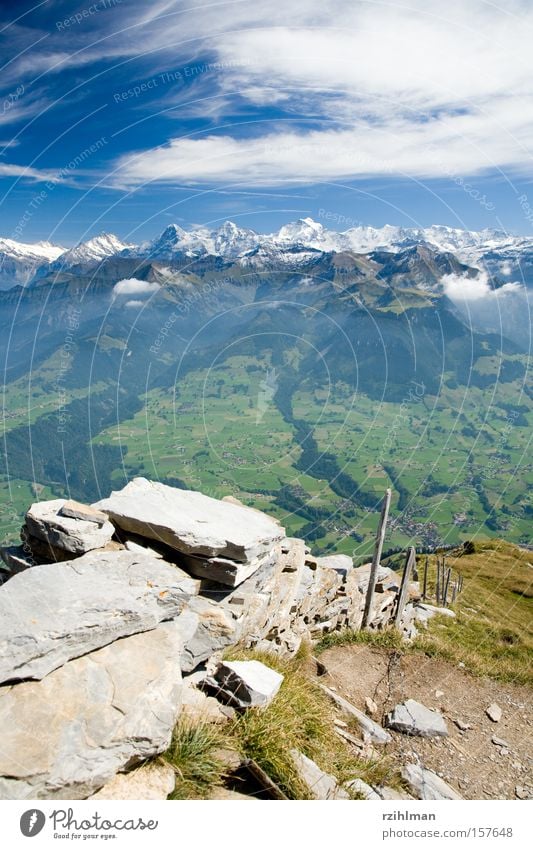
(44, 251)
(94, 250)
(19, 262)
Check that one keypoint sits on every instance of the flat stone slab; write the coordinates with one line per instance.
(417, 720)
(66, 736)
(320, 784)
(77, 536)
(55, 612)
(426, 784)
(247, 683)
(191, 522)
(374, 731)
(76, 510)
(230, 573)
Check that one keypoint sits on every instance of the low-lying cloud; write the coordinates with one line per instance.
(459, 287)
(132, 286)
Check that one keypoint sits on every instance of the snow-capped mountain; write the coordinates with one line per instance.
(507, 257)
(94, 250)
(19, 261)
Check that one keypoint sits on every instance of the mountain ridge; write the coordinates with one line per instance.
(494, 251)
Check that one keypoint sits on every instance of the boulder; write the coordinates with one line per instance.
(70, 733)
(320, 784)
(156, 781)
(494, 712)
(374, 731)
(55, 612)
(416, 719)
(191, 522)
(426, 784)
(45, 521)
(246, 683)
(206, 627)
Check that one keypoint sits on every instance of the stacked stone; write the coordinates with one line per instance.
(55, 531)
(126, 596)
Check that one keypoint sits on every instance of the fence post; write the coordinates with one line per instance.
(378, 548)
(437, 582)
(410, 561)
(425, 586)
(446, 585)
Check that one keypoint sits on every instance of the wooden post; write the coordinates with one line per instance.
(443, 579)
(410, 561)
(378, 548)
(454, 591)
(446, 585)
(437, 582)
(425, 585)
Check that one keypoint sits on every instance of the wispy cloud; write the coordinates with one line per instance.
(334, 90)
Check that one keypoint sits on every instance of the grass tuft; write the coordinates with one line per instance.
(192, 755)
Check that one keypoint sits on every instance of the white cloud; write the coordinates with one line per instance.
(25, 172)
(419, 90)
(134, 304)
(132, 286)
(462, 288)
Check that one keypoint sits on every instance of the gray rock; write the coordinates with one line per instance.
(391, 794)
(340, 563)
(191, 522)
(498, 741)
(156, 781)
(426, 784)
(44, 521)
(247, 683)
(231, 573)
(320, 784)
(371, 706)
(416, 719)
(52, 613)
(494, 712)
(70, 733)
(293, 550)
(75, 510)
(16, 558)
(357, 785)
(206, 627)
(374, 731)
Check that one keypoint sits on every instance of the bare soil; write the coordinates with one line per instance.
(468, 760)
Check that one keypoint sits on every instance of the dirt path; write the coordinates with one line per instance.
(468, 760)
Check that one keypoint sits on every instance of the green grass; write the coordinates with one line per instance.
(192, 755)
(492, 633)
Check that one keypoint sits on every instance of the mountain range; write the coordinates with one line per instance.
(303, 371)
(499, 254)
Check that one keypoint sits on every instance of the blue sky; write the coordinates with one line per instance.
(123, 116)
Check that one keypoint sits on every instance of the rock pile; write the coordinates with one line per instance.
(105, 608)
